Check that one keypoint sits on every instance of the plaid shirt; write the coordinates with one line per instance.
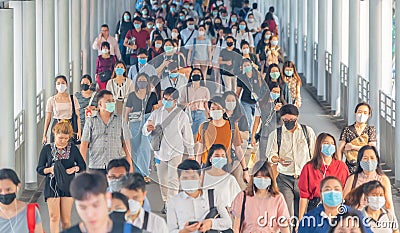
(105, 140)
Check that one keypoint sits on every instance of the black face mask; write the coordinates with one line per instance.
(196, 77)
(85, 87)
(289, 124)
(229, 44)
(7, 199)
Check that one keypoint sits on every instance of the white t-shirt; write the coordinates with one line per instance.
(225, 186)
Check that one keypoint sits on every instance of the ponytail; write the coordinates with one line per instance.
(354, 197)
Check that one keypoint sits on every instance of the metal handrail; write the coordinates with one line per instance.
(305, 43)
(328, 62)
(387, 107)
(315, 51)
(40, 106)
(363, 89)
(19, 129)
(344, 74)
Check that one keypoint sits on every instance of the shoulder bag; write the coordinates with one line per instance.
(213, 214)
(157, 134)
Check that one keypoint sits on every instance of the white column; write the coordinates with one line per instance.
(63, 37)
(76, 44)
(85, 36)
(94, 32)
(48, 47)
(29, 90)
(300, 36)
(321, 48)
(293, 25)
(386, 32)
(310, 41)
(7, 144)
(354, 57)
(39, 46)
(397, 83)
(336, 54)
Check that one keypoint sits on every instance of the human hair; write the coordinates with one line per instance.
(290, 64)
(243, 21)
(361, 154)
(201, 77)
(88, 77)
(157, 38)
(134, 182)
(137, 18)
(63, 127)
(363, 104)
(105, 44)
(142, 51)
(272, 85)
(317, 160)
(121, 197)
(170, 41)
(189, 164)
(171, 92)
(115, 66)
(118, 163)
(354, 197)
(262, 168)
(271, 9)
(87, 184)
(147, 79)
(268, 79)
(326, 179)
(60, 77)
(104, 26)
(128, 13)
(230, 37)
(238, 112)
(102, 93)
(9, 174)
(269, 16)
(244, 43)
(289, 109)
(190, 20)
(213, 148)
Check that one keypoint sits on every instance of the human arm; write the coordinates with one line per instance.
(342, 144)
(239, 153)
(46, 127)
(42, 166)
(87, 132)
(303, 184)
(189, 57)
(126, 145)
(80, 162)
(303, 203)
(187, 135)
(116, 50)
(256, 123)
(78, 119)
(39, 228)
(348, 186)
(127, 111)
(388, 193)
(149, 126)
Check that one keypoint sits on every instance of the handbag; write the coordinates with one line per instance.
(74, 122)
(213, 213)
(361, 140)
(157, 134)
(129, 51)
(105, 75)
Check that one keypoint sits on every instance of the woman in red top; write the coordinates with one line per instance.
(325, 162)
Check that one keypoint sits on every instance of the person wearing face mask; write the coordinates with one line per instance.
(331, 211)
(176, 137)
(104, 36)
(274, 52)
(215, 177)
(60, 107)
(139, 105)
(56, 192)
(104, 65)
(368, 169)
(357, 135)
(13, 212)
(235, 113)
(119, 206)
(325, 162)
(195, 98)
(260, 36)
(156, 49)
(106, 133)
(136, 38)
(123, 26)
(376, 215)
(293, 82)
(272, 21)
(220, 130)
(184, 214)
(228, 62)
(145, 13)
(143, 66)
(173, 78)
(200, 51)
(273, 76)
(243, 33)
(189, 33)
(87, 99)
(262, 196)
(245, 47)
(253, 24)
(134, 188)
(160, 28)
(290, 159)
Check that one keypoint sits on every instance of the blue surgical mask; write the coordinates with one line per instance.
(242, 27)
(247, 69)
(274, 42)
(167, 103)
(332, 198)
(142, 61)
(274, 96)
(190, 26)
(289, 73)
(369, 165)
(172, 10)
(328, 149)
(173, 75)
(137, 25)
(168, 48)
(182, 17)
(119, 71)
(234, 20)
(127, 18)
(110, 107)
(261, 182)
(215, 13)
(163, 6)
(219, 162)
(274, 75)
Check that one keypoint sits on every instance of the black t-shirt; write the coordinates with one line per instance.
(232, 56)
(123, 28)
(118, 227)
(136, 104)
(249, 86)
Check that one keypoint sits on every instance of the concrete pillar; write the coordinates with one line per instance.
(76, 44)
(386, 32)
(336, 54)
(48, 47)
(321, 48)
(300, 37)
(310, 41)
(7, 144)
(397, 83)
(85, 36)
(94, 32)
(293, 26)
(39, 45)
(63, 37)
(354, 57)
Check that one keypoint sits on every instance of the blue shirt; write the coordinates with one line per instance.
(316, 221)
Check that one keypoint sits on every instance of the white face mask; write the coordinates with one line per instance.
(216, 114)
(134, 206)
(174, 35)
(362, 118)
(61, 88)
(376, 203)
(230, 105)
(246, 51)
(190, 186)
(104, 51)
(201, 33)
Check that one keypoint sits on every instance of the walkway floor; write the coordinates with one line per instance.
(310, 114)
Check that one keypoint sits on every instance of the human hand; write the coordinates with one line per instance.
(205, 225)
(253, 142)
(192, 228)
(150, 126)
(348, 146)
(246, 176)
(278, 107)
(44, 140)
(229, 63)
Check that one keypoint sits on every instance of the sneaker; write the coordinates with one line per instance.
(249, 146)
(164, 209)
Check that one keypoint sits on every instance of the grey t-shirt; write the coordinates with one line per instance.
(200, 49)
(18, 223)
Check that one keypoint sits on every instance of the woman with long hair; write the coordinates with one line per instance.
(104, 66)
(293, 82)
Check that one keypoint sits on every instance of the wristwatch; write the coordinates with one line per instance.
(245, 169)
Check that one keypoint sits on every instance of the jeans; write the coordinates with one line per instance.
(289, 187)
(197, 8)
(167, 172)
(249, 112)
(122, 49)
(140, 147)
(198, 117)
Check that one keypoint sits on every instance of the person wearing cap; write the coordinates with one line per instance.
(173, 78)
(139, 38)
(219, 130)
(290, 147)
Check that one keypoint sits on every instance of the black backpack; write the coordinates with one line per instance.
(305, 132)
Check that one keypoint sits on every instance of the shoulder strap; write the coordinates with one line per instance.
(170, 117)
(191, 34)
(242, 212)
(91, 99)
(353, 185)
(146, 220)
(232, 126)
(31, 216)
(211, 198)
(305, 132)
(73, 103)
(279, 138)
(203, 136)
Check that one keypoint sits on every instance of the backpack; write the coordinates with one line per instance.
(305, 132)
(31, 216)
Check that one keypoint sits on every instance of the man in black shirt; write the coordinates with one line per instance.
(228, 61)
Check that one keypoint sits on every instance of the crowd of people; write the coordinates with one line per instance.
(187, 89)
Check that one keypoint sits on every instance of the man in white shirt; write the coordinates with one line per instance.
(189, 33)
(188, 210)
(174, 79)
(134, 188)
(290, 147)
(141, 66)
(165, 32)
(105, 36)
(177, 135)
